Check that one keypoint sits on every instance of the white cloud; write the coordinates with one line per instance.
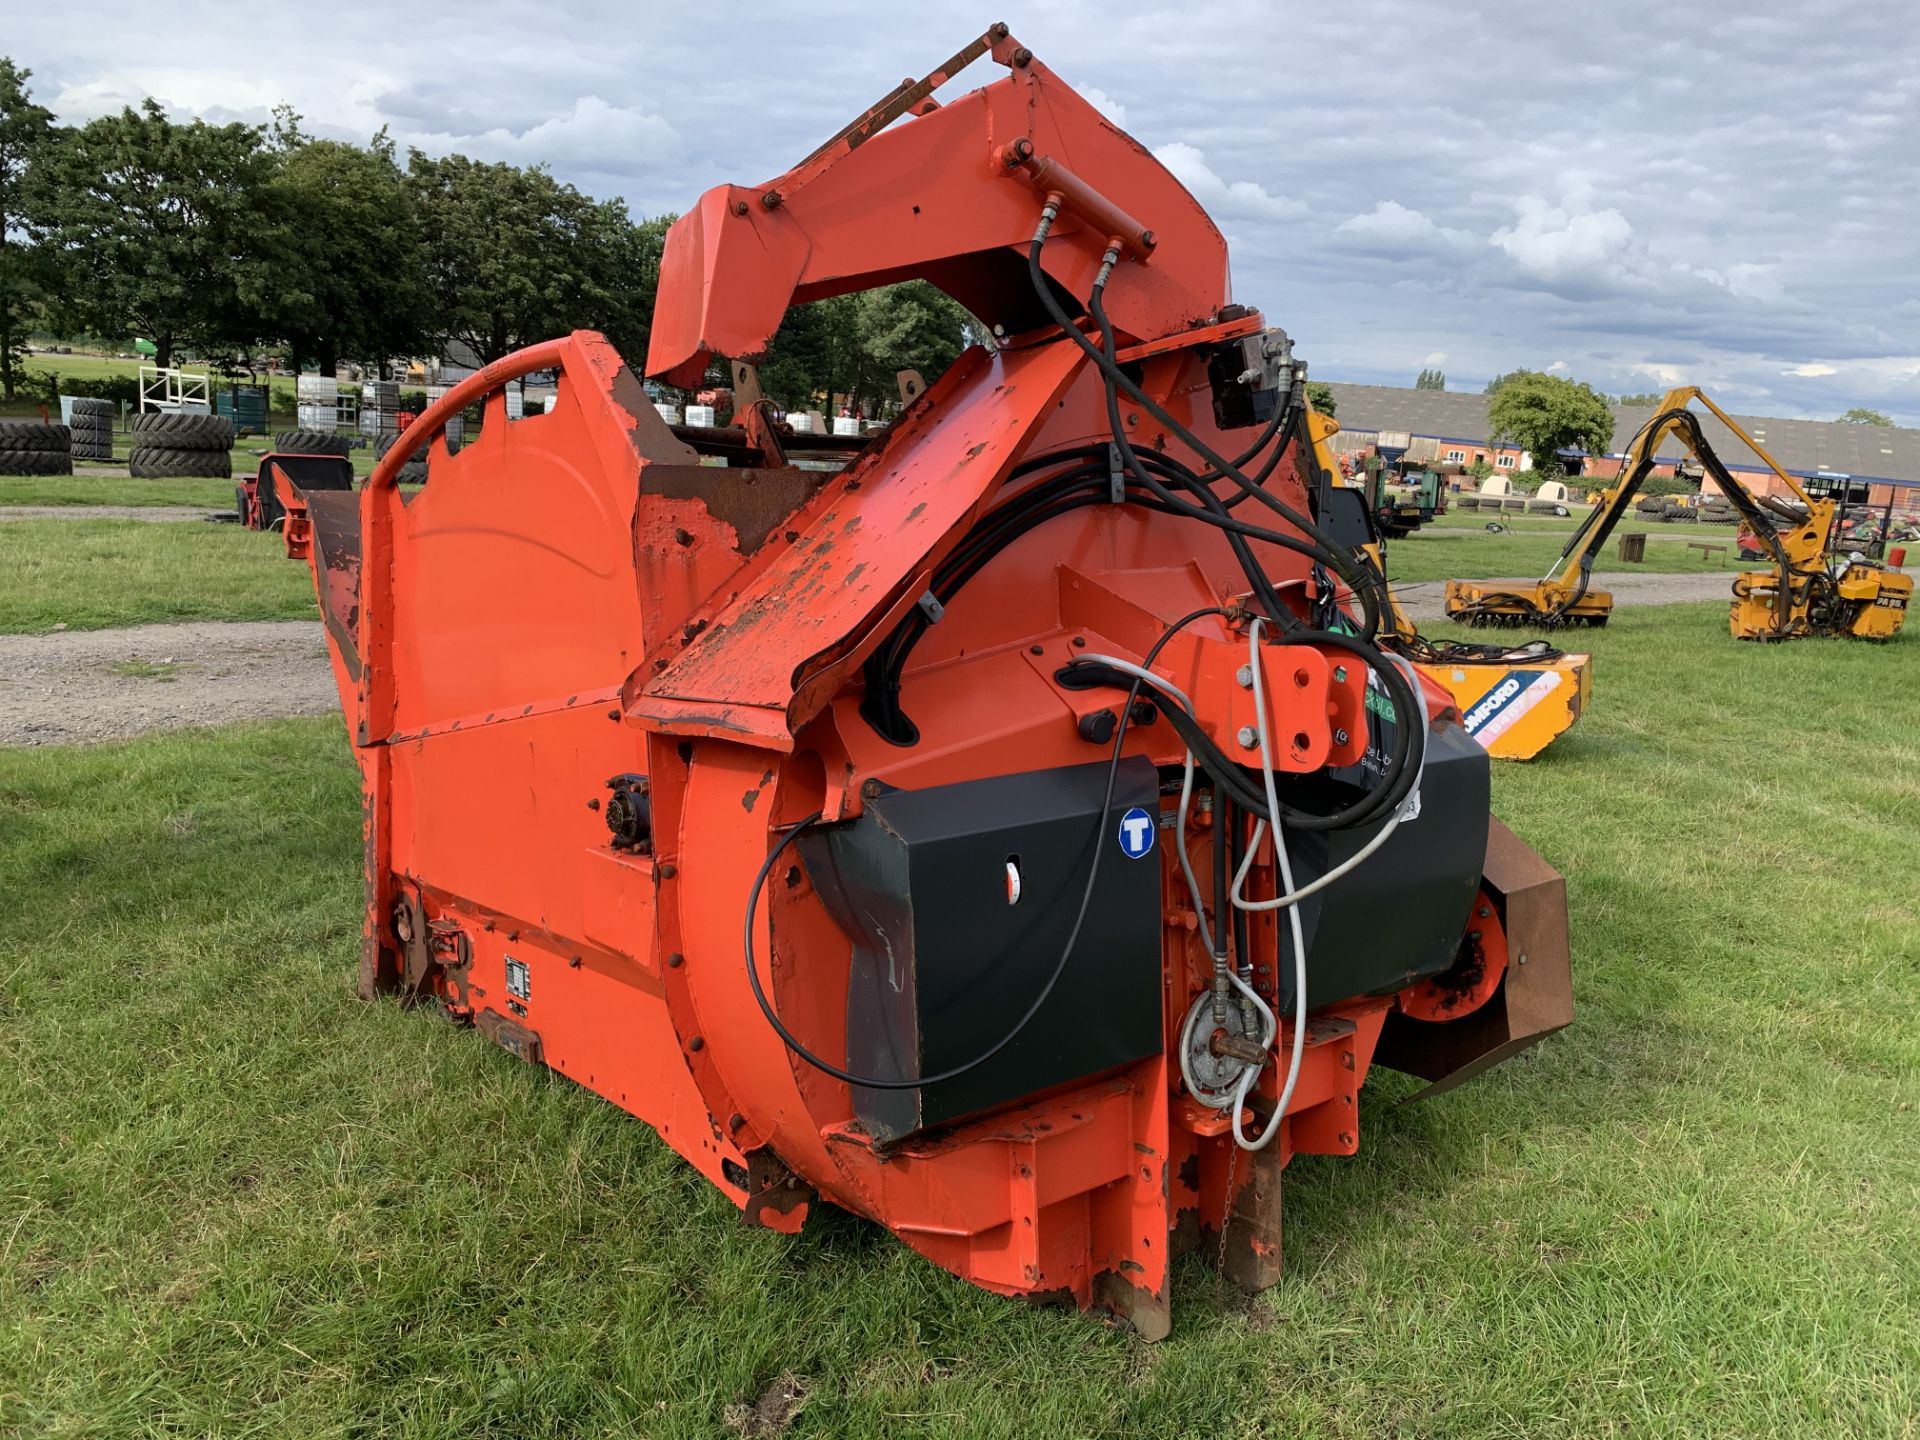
(1392, 227)
(1438, 357)
(1811, 370)
(1240, 197)
(594, 136)
(1552, 242)
(1667, 375)
(1105, 104)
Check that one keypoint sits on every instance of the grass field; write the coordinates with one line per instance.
(113, 490)
(90, 574)
(1471, 555)
(239, 1202)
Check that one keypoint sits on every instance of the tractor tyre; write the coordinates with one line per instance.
(413, 470)
(87, 405)
(174, 430)
(154, 462)
(311, 442)
(35, 462)
(32, 435)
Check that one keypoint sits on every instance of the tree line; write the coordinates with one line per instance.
(236, 241)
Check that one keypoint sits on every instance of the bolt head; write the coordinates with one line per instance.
(1339, 737)
(1245, 676)
(1248, 737)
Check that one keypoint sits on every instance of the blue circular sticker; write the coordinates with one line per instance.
(1137, 829)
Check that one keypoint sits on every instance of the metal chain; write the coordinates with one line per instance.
(1226, 1219)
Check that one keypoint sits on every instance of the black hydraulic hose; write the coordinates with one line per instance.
(1228, 774)
(1013, 518)
(1257, 578)
(1330, 551)
(875, 1082)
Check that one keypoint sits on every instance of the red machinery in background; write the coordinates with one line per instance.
(904, 837)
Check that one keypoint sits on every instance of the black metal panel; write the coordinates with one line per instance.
(944, 963)
(306, 472)
(1401, 914)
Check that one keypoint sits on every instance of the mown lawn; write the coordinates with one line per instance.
(1478, 555)
(239, 1202)
(113, 490)
(90, 574)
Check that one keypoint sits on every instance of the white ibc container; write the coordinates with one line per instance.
(700, 415)
(846, 425)
(669, 413)
(801, 424)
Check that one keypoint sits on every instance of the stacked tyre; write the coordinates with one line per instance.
(413, 470)
(168, 444)
(311, 442)
(90, 423)
(29, 448)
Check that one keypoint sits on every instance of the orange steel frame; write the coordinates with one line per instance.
(574, 598)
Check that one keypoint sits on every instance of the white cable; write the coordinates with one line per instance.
(1290, 896)
(1248, 1080)
(1312, 887)
(1352, 862)
(1180, 844)
(1127, 667)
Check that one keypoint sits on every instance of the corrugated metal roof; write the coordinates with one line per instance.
(1804, 447)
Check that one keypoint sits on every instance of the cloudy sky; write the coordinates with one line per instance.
(1626, 193)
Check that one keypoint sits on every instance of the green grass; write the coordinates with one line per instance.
(113, 490)
(1458, 519)
(239, 1202)
(1465, 555)
(90, 574)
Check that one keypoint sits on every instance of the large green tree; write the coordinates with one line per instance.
(158, 229)
(25, 129)
(350, 278)
(1545, 414)
(514, 256)
(856, 345)
(1430, 379)
(1861, 415)
(1645, 400)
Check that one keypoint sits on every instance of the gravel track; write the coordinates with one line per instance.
(158, 514)
(81, 685)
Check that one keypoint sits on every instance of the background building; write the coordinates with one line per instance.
(1881, 463)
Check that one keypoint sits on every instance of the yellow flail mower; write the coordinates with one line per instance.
(1808, 590)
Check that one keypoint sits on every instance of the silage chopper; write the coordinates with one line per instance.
(903, 838)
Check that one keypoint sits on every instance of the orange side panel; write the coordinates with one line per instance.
(861, 539)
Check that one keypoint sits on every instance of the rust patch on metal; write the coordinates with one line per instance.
(754, 502)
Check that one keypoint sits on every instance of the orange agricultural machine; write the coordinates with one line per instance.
(904, 837)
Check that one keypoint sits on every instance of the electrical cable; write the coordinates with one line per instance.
(874, 1082)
